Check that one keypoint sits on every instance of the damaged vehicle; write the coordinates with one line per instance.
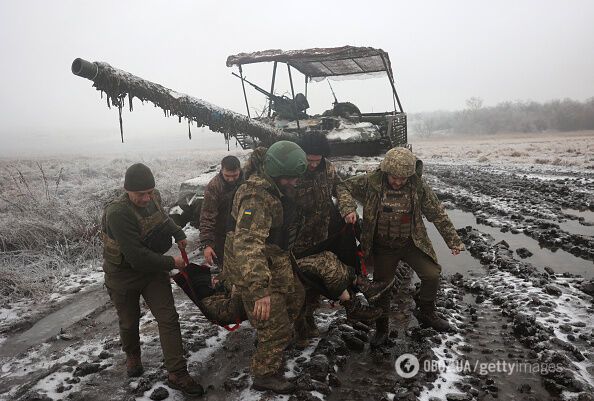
(349, 130)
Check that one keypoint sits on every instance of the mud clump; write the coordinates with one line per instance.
(160, 393)
(524, 253)
(86, 368)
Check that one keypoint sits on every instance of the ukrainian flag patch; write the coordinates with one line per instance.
(246, 219)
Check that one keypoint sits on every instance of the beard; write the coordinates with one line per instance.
(289, 191)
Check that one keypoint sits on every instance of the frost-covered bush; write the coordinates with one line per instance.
(50, 211)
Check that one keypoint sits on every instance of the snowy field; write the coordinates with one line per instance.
(58, 331)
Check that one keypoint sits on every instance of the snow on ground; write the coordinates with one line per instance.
(570, 310)
(571, 307)
(548, 150)
(448, 373)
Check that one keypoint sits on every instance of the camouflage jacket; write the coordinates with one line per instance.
(251, 262)
(124, 230)
(315, 190)
(367, 189)
(253, 165)
(218, 197)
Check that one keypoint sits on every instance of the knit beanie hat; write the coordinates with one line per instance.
(139, 178)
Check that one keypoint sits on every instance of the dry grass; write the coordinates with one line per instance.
(50, 213)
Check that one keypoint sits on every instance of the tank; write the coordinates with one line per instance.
(349, 131)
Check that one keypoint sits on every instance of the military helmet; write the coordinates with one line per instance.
(399, 162)
(285, 158)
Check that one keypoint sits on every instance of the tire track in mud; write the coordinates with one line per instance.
(521, 202)
(548, 314)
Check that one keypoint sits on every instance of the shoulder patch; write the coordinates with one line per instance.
(246, 219)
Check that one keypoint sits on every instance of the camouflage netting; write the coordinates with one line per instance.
(323, 62)
(118, 85)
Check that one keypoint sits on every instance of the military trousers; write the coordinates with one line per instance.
(224, 308)
(327, 269)
(385, 261)
(125, 287)
(274, 334)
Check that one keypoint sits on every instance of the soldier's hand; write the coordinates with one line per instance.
(209, 255)
(262, 308)
(456, 250)
(180, 263)
(351, 218)
(181, 244)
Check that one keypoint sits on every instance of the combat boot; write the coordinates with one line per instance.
(427, 317)
(374, 289)
(185, 383)
(355, 310)
(382, 331)
(276, 382)
(134, 366)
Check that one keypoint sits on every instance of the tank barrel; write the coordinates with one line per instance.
(84, 68)
(118, 84)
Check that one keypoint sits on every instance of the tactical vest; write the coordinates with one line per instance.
(313, 191)
(148, 226)
(394, 223)
(285, 235)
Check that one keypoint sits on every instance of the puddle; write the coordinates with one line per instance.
(50, 325)
(463, 263)
(574, 227)
(560, 260)
(588, 215)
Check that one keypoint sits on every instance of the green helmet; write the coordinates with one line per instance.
(285, 158)
(399, 162)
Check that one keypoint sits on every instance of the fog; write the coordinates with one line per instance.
(442, 53)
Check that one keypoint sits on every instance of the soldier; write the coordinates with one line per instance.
(314, 198)
(258, 261)
(395, 197)
(216, 207)
(136, 232)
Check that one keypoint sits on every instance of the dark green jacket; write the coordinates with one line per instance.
(123, 234)
(367, 189)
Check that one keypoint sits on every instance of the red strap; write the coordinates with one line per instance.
(184, 272)
(234, 327)
(185, 256)
(361, 256)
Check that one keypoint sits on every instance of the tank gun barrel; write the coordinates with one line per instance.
(118, 84)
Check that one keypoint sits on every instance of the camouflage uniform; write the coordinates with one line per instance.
(218, 197)
(132, 269)
(259, 267)
(314, 198)
(393, 228)
(224, 308)
(327, 268)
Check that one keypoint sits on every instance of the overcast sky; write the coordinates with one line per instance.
(442, 53)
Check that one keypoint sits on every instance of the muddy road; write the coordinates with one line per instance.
(520, 299)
